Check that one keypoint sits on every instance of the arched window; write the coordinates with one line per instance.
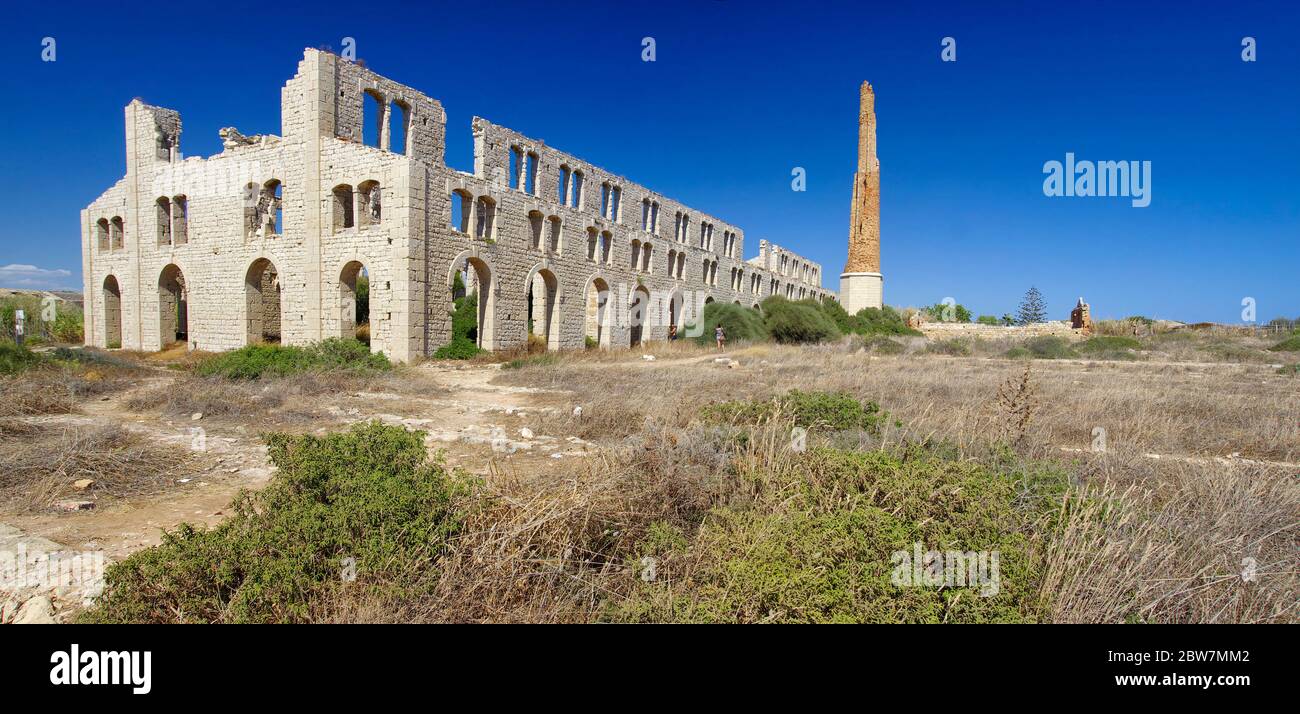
(272, 208)
(531, 166)
(101, 233)
(370, 203)
(535, 224)
(647, 252)
(117, 233)
(606, 247)
(516, 167)
(562, 186)
(163, 212)
(373, 134)
(485, 220)
(593, 244)
(343, 217)
(399, 130)
(181, 220)
(636, 254)
(579, 200)
(460, 210)
(556, 234)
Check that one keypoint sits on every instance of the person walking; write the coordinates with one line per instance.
(720, 335)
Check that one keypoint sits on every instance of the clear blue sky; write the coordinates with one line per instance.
(740, 94)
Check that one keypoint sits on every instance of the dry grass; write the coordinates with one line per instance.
(1148, 539)
(40, 462)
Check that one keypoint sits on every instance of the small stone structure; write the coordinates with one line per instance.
(269, 239)
(862, 284)
(1081, 317)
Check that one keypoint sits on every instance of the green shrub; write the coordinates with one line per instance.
(739, 322)
(883, 345)
(1292, 370)
(1019, 353)
(1110, 347)
(459, 348)
(15, 359)
(1290, 344)
(1049, 347)
(1107, 343)
(797, 322)
(830, 538)
(365, 501)
(956, 347)
(868, 321)
(832, 411)
(988, 320)
(66, 326)
(255, 361)
(882, 321)
(464, 330)
(590, 342)
(938, 310)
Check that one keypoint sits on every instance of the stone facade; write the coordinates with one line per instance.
(266, 240)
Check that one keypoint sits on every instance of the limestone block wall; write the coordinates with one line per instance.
(266, 239)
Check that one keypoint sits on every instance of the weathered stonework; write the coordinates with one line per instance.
(862, 283)
(266, 239)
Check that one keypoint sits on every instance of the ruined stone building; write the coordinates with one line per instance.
(268, 240)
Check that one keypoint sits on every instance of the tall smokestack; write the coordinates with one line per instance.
(862, 284)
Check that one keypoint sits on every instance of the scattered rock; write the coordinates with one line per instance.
(36, 611)
(721, 360)
(82, 484)
(648, 358)
(577, 411)
(526, 433)
(75, 505)
(196, 416)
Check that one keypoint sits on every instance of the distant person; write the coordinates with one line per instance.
(720, 335)
(672, 333)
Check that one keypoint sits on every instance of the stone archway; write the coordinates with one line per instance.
(676, 311)
(173, 307)
(638, 313)
(354, 302)
(543, 292)
(599, 313)
(112, 313)
(478, 283)
(263, 309)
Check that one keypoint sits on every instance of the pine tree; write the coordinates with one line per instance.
(1032, 308)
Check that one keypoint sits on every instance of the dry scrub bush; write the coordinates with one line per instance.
(40, 462)
(1178, 553)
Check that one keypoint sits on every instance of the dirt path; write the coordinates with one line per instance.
(471, 420)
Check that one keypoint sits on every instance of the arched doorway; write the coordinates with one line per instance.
(472, 289)
(543, 317)
(598, 313)
(676, 310)
(262, 300)
(173, 307)
(354, 302)
(638, 310)
(112, 314)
